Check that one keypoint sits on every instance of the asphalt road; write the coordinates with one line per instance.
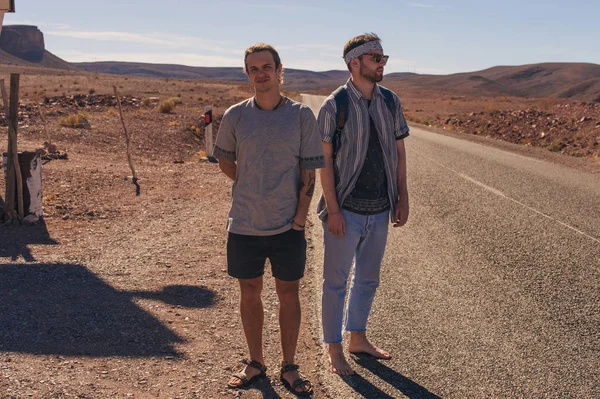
(492, 289)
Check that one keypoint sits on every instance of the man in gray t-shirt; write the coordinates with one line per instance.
(270, 147)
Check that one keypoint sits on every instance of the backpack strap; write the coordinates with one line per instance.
(388, 97)
(341, 116)
(341, 112)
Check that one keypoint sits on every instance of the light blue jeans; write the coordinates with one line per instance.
(363, 246)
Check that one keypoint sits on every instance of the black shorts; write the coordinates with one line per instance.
(246, 255)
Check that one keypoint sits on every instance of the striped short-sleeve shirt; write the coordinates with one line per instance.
(354, 140)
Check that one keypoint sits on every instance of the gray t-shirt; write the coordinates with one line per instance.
(270, 148)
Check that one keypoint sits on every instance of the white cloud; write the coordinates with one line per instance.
(280, 7)
(164, 40)
(114, 36)
(9, 21)
(190, 59)
(398, 62)
(313, 64)
(428, 6)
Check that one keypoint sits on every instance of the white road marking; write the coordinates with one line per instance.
(521, 156)
(442, 137)
(501, 194)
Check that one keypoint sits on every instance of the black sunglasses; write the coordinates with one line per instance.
(377, 58)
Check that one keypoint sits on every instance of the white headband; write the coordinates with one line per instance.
(362, 49)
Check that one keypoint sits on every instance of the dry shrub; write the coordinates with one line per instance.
(75, 120)
(166, 106)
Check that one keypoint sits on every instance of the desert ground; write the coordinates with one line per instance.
(117, 295)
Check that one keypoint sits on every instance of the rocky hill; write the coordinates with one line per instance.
(578, 81)
(24, 45)
(295, 79)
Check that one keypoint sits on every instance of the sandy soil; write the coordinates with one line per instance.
(114, 295)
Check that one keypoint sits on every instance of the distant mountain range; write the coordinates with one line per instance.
(24, 45)
(580, 81)
(295, 79)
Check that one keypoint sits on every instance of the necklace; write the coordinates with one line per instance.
(282, 101)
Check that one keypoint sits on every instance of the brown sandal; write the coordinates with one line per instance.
(242, 377)
(298, 383)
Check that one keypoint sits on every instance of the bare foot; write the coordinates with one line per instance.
(360, 344)
(337, 361)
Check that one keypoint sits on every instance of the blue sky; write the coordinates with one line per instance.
(437, 37)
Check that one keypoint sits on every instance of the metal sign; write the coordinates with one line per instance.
(208, 134)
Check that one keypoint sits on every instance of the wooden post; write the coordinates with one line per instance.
(13, 170)
(37, 101)
(134, 178)
(208, 134)
(9, 193)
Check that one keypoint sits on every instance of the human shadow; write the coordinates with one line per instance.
(364, 387)
(405, 385)
(64, 309)
(15, 240)
(187, 296)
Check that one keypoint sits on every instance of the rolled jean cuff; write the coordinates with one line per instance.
(361, 330)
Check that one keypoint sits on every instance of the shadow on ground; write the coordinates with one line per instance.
(264, 385)
(366, 389)
(188, 296)
(64, 309)
(15, 240)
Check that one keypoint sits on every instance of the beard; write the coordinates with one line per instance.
(370, 75)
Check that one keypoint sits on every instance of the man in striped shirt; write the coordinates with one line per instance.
(364, 187)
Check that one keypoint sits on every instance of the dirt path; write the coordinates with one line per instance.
(122, 296)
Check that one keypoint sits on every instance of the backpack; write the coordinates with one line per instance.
(341, 112)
